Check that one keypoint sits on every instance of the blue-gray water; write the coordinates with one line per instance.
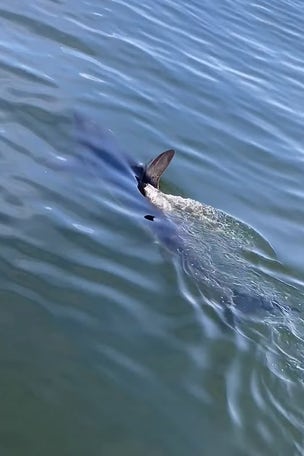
(107, 346)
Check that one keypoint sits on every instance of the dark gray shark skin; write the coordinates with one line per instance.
(100, 153)
(211, 244)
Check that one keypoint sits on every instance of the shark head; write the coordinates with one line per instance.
(113, 160)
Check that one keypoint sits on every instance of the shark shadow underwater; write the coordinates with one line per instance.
(217, 250)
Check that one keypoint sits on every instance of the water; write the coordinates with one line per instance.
(107, 345)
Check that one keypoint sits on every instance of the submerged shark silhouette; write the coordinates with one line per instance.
(215, 248)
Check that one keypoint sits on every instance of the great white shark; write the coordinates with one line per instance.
(216, 249)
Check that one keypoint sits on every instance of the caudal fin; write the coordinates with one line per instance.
(157, 167)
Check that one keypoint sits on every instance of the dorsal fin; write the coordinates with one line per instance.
(157, 167)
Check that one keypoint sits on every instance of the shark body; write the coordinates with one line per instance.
(216, 249)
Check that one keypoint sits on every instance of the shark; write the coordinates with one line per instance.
(219, 251)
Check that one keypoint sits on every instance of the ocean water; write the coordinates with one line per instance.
(108, 345)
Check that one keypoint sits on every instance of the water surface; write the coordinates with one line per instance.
(107, 345)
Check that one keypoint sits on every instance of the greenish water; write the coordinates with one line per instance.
(108, 347)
